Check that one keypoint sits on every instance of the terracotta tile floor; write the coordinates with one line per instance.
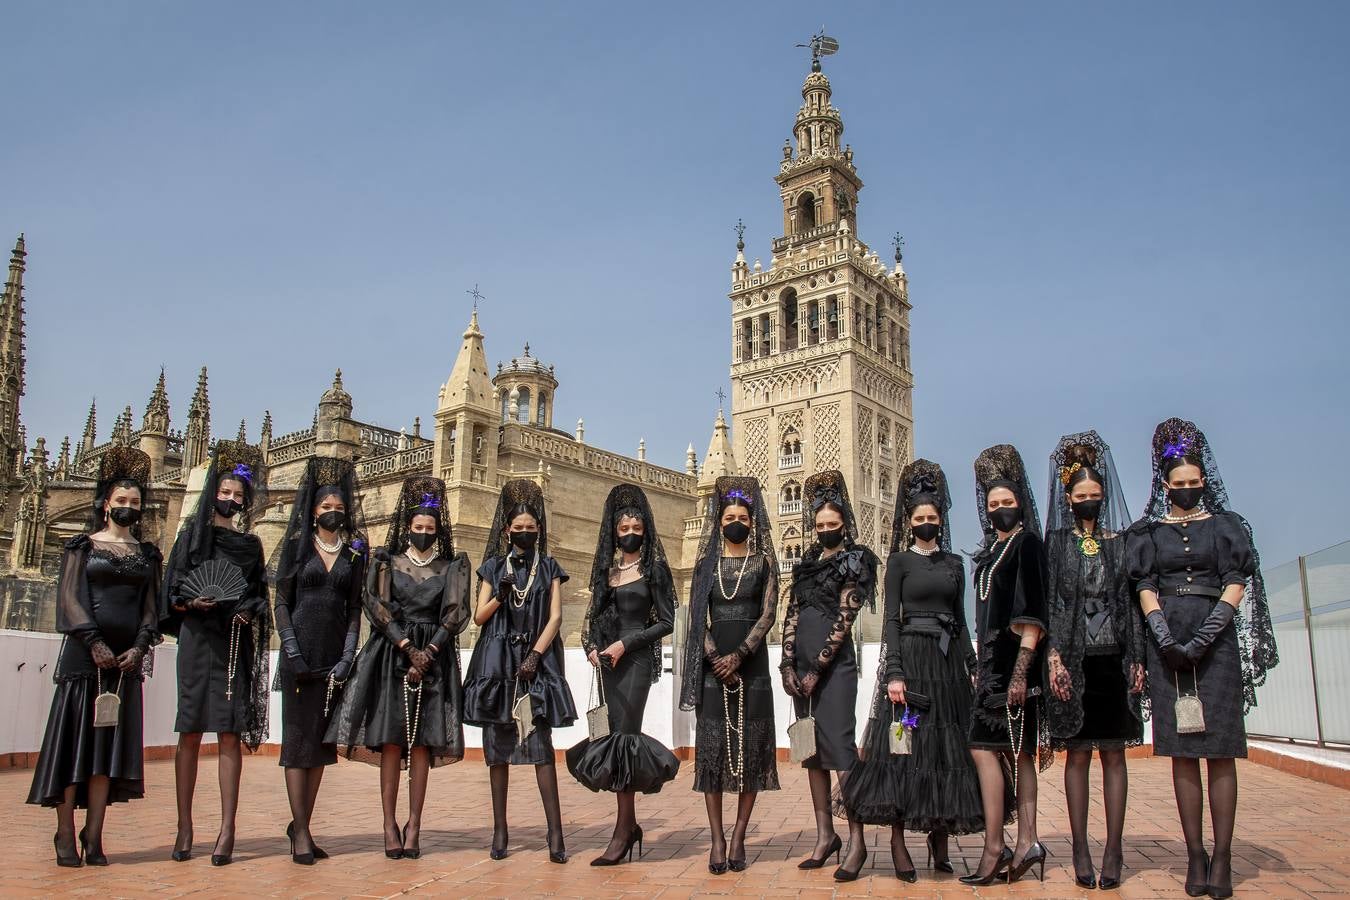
(1293, 841)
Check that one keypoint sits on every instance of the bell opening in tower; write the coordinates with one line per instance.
(806, 212)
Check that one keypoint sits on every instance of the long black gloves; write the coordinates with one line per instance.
(291, 647)
(344, 665)
(1172, 655)
(1209, 631)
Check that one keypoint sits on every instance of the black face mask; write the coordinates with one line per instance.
(1185, 499)
(422, 540)
(1085, 510)
(125, 516)
(332, 520)
(830, 539)
(926, 531)
(736, 532)
(629, 543)
(524, 541)
(1005, 518)
(228, 506)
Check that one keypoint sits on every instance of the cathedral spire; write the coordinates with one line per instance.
(469, 383)
(156, 418)
(11, 349)
(197, 440)
(122, 430)
(720, 460)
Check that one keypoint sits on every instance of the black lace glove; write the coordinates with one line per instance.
(291, 647)
(130, 661)
(103, 656)
(791, 685)
(1173, 656)
(529, 666)
(1017, 685)
(1209, 631)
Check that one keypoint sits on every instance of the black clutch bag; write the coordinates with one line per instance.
(1000, 700)
(918, 702)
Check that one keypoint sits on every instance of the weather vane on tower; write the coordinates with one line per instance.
(476, 295)
(821, 44)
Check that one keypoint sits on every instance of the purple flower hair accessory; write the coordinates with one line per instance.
(1179, 449)
(243, 471)
(429, 501)
(738, 494)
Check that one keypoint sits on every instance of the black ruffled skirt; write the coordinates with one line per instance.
(73, 750)
(625, 759)
(376, 710)
(934, 787)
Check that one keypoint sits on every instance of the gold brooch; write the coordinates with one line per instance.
(1088, 546)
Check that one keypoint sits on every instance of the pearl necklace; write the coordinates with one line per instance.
(984, 581)
(721, 585)
(632, 565)
(410, 722)
(327, 548)
(417, 562)
(922, 552)
(1189, 517)
(521, 594)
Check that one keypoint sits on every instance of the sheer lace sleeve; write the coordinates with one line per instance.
(378, 598)
(254, 602)
(147, 635)
(74, 613)
(789, 660)
(1061, 612)
(850, 604)
(893, 612)
(456, 609)
(768, 606)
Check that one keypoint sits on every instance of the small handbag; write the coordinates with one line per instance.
(802, 736)
(522, 711)
(1190, 712)
(108, 705)
(597, 717)
(900, 737)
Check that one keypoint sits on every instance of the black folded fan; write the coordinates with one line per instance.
(216, 579)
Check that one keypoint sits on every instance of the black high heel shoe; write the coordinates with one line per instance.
(835, 847)
(396, 853)
(90, 858)
(319, 852)
(1200, 888)
(1220, 891)
(498, 853)
(67, 862)
(222, 859)
(1035, 855)
(1087, 882)
(842, 874)
(634, 837)
(557, 856)
(300, 859)
(1106, 882)
(185, 854)
(411, 852)
(938, 865)
(718, 868)
(975, 878)
(736, 865)
(909, 876)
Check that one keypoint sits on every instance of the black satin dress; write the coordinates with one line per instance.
(204, 643)
(1189, 564)
(325, 607)
(490, 687)
(738, 623)
(115, 591)
(626, 759)
(1016, 597)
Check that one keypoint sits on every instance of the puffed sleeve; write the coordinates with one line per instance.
(148, 634)
(1029, 602)
(554, 569)
(1233, 549)
(456, 608)
(488, 570)
(892, 615)
(1141, 558)
(74, 611)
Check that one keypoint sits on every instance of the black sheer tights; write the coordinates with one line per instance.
(1223, 814)
(302, 791)
(229, 765)
(546, 776)
(825, 833)
(1115, 788)
(745, 805)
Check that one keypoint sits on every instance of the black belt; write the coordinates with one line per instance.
(943, 627)
(1194, 590)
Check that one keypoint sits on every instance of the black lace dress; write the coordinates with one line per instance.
(1189, 564)
(204, 641)
(927, 645)
(490, 688)
(1016, 596)
(827, 594)
(108, 591)
(322, 605)
(738, 624)
(1096, 629)
(426, 605)
(626, 759)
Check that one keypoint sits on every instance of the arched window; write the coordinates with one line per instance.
(506, 407)
(806, 212)
(541, 417)
(788, 303)
(523, 407)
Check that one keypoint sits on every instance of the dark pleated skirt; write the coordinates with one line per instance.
(934, 787)
(625, 759)
(1219, 676)
(73, 750)
(500, 747)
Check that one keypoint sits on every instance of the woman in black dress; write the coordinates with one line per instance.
(1096, 642)
(519, 655)
(222, 637)
(929, 784)
(404, 700)
(1007, 728)
(318, 615)
(835, 578)
(632, 608)
(726, 661)
(1198, 576)
(107, 606)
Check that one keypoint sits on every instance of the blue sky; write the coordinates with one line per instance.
(1113, 213)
